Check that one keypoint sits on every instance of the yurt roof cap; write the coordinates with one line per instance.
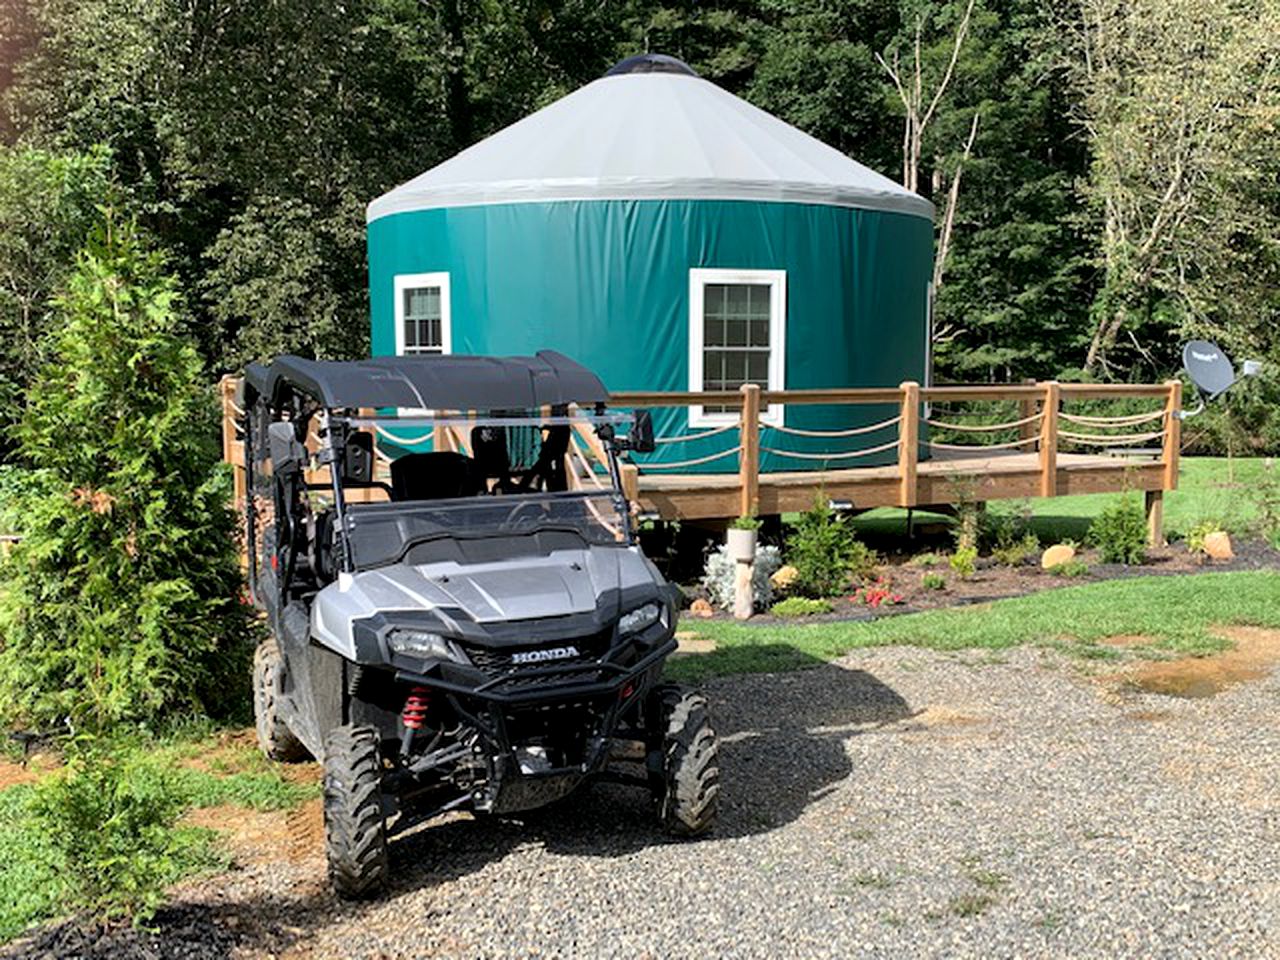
(650, 129)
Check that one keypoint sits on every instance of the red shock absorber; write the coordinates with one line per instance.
(414, 714)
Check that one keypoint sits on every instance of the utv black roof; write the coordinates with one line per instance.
(432, 381)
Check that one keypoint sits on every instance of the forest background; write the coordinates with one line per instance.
(1109, 167)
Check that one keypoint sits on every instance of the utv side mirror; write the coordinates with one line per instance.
(287, 453)
(357, 458)
(641, 439)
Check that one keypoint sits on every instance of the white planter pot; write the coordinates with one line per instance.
(742, 545)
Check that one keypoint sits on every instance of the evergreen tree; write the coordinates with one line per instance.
(122, 602)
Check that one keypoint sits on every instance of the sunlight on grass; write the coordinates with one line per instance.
(1177, 612)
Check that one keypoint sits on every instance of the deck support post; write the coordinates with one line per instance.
(908, 443)
(749, 456)
(1171, 448)
(1049, 440)
(1155, 518)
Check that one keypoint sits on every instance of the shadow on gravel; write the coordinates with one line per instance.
(783, 746)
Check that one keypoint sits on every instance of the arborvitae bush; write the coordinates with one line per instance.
(826, 554)
(122, 601)
(1120, 532)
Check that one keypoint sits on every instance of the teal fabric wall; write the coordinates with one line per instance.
(607, 283)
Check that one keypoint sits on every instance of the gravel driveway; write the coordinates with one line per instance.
(898, 803)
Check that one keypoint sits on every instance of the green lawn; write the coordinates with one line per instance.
(1209, 488)
(1179, 613)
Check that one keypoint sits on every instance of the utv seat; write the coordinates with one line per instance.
(435, 476)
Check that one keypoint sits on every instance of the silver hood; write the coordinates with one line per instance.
(561, 583)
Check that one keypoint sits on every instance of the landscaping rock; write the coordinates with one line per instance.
(701, 608)
(1057, 554)
(1218, 546)
(784, 578)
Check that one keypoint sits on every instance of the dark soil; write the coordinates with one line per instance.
(904, 576)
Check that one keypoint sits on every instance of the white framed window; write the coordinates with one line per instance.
(423, 315)
(737, 335)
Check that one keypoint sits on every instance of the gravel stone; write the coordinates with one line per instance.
(897, 803)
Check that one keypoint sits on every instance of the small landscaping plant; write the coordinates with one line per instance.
(964, 562)
(1070, 568)
(1266, 498)
(1012, 542)
(746, 523)
(1120, 532)
(111, 816)
(877, 593)
(1197, 534)
(927, 559)
(933, 581)
(718, 576)
(826, 554)
(800, 607)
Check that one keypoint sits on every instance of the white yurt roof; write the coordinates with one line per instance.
(650, 129)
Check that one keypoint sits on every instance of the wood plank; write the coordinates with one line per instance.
(1049, 440)
(908, 443)
(1155, 518)
(1171, 453)
(749, 457)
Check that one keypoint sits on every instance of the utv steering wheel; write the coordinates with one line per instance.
(513, 519)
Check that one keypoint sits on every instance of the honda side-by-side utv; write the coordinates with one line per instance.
(479, 633)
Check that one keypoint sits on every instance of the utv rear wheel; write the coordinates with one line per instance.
(688, 788)
(354, 827)
(275, 739)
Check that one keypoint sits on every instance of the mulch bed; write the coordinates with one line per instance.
(995, 582)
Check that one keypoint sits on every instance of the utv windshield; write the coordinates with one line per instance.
(382, 533)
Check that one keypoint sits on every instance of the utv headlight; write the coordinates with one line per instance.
(639, 618)
(424, 644)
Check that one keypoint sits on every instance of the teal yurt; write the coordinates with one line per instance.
(670, 236)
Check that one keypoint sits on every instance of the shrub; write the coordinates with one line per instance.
(746, 523)
(1013, 553)
(826, 554)
(19, 489)
(933, 581)
(1266, 497)
(800, 607)
(110, 816)
(1074, 567)
(964, 562)
(1196, 535)
(926, 560)
(718, 576)
(1120, 532)
(121, 601)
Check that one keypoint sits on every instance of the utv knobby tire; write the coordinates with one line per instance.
(354, 825)
(275, 739)
(688, 791)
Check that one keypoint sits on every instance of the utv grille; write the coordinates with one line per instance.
(498, 662)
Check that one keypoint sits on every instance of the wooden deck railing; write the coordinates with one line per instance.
(1042, 426)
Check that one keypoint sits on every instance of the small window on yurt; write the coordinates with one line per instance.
(737, 335)
(422, 313)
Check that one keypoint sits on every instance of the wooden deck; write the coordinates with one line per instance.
(940, 480)
(1022, 457)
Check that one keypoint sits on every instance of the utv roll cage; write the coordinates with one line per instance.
(351, 401)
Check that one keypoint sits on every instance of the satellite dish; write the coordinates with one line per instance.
(1208, 367)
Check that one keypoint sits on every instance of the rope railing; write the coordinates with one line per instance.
(1129, 420)
(696, 461)
(983, 427)
(831, 456)
(980, 447)
(1118, 440)
(853, 432)
(702, 434)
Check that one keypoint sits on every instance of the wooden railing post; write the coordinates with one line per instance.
(1049, 441)
(1172, 447)
(749, 457)
(232, 449)
(908, 443)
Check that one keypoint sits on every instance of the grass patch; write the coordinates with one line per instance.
(970, 904)
(1177, 612)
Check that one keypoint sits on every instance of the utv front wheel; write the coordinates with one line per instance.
(354, 828)
(275, 739)
(688, 787)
